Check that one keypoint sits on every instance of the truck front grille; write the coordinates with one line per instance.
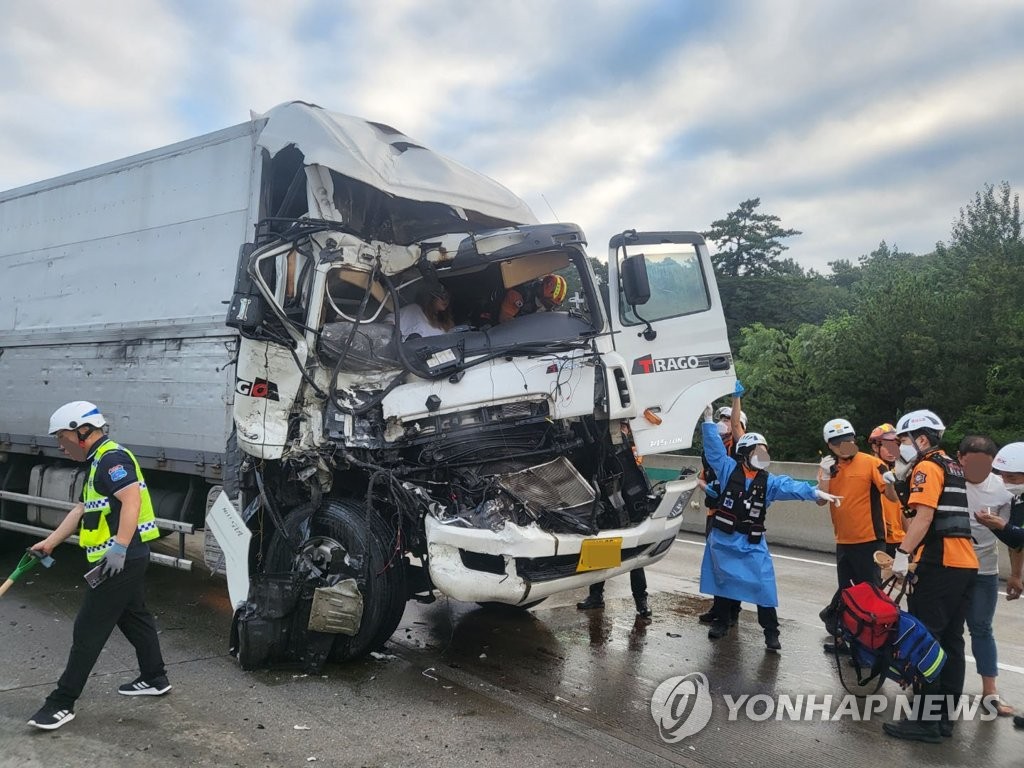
(554, 485)
(536, 569)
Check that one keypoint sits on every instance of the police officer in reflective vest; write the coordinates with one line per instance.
(114, 521)
(938, 539)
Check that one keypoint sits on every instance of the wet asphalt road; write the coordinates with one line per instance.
(464, 685)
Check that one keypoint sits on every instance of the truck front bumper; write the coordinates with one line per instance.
(521, 564)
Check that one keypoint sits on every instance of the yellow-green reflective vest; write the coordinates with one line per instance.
(96, 540)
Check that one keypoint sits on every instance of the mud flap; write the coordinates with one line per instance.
(261, 628)
(274, 625)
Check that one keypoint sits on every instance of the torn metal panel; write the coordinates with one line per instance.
(337, 609)
(386, 160)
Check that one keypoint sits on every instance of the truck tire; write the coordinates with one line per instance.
(344, 522)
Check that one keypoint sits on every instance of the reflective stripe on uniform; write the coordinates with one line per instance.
(96, 540)
(100, 547)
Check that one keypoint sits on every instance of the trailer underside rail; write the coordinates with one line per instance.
(180, 562)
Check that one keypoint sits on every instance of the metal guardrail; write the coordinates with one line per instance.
(180, 563)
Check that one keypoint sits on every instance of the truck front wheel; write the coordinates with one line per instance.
(344, 526)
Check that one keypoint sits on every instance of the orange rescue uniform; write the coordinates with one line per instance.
(860, 518)
(926, 484)
(892, 513)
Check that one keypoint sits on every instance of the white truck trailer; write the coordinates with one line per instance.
(496, 462)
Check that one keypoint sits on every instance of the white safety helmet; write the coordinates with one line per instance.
(74, 415)
(725, 412)
(916, 420)
(750, 440)
(837, 428)
(1010, 458)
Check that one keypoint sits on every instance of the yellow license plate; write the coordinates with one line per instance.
(597, 554)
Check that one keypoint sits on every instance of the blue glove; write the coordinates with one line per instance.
(113, 560)
(739, 390)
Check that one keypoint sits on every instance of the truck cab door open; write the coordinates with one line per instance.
(675, 342)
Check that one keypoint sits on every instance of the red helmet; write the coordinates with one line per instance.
(553, 289)
(883, 432)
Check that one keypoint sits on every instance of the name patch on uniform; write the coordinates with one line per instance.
(117, 472)
(919, 478)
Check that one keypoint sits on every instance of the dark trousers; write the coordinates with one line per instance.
(855, 563)
(637, 585)
(119, 601)
(941, 599)
(716, 607)
(724, 608)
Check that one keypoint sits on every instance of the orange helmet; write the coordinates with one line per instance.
(883, 432)
(553, 289)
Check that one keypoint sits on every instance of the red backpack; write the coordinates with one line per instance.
(868, 615)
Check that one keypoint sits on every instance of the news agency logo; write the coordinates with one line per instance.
(681, 707)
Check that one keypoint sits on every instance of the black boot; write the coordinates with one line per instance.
(914, 730)
(594, 600)
(834, 647)
(771, 640)
(708, 617)
(718, 629)
(643, 610)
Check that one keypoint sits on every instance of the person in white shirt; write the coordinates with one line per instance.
(429, 316)
(985, 493)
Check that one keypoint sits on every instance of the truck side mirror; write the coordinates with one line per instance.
(247, 308)
(635, 285)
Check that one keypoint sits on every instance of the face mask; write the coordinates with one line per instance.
(760, 459)
(1014, 488)
(908, 452)
(723, 428)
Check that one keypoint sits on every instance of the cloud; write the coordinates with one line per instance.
(85, 83)
(853, 122)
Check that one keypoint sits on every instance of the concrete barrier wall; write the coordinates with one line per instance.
(799, 524)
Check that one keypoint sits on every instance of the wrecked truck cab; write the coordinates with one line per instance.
(489, 461)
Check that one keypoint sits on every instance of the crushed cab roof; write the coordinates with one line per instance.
(386, 159)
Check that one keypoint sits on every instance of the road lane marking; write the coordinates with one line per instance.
(1000, 665)
(781, 557)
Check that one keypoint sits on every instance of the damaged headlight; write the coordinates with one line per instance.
(685, 489)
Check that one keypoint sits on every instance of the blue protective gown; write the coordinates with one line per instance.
(733, 567)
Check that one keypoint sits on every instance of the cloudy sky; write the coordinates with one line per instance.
(853, 121)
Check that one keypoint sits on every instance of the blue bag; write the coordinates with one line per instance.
(913, 657)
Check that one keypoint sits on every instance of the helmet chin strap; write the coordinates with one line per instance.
(82, 438)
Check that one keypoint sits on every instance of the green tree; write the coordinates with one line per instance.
(780, 301)
(987, 255)
(777, 386)
(750, 243)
